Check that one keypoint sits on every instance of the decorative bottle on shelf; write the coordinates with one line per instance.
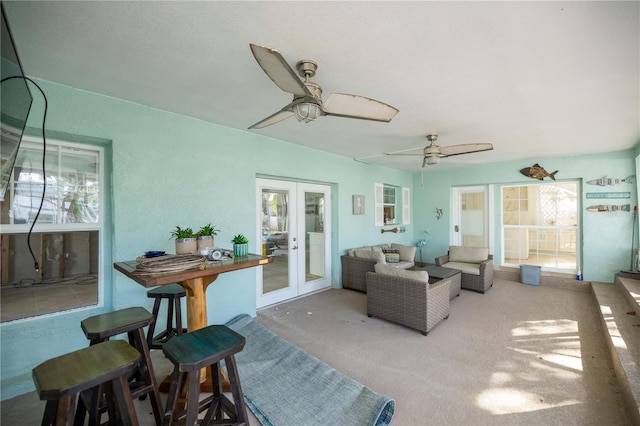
(579, 274)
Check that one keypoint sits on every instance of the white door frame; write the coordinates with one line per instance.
(298, 285)
(456, 213)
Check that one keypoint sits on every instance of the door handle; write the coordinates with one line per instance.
(456, 228)
(294, 248)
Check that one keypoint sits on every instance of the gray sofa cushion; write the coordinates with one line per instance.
(468, 254)
(466, 268)
(378, 256)
(378, 248)
(402, 273)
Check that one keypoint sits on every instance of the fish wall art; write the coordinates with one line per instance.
(604, 181)
(537, 172)
(609, 208)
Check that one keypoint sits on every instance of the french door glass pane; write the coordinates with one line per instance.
(275, 239)
(314, 231)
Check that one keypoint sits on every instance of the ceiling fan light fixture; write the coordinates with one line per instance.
(307, 112)
(430, 161)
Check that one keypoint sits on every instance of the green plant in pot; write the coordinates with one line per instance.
(186, 242)
(240, 245)
(205, 237)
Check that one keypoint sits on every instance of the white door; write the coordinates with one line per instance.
(472, 217)
(294, 227)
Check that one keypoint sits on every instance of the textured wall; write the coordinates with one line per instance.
(169, 170)
(605, 237)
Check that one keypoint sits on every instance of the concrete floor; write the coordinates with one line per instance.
(516, 355)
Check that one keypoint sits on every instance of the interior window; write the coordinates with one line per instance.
(65, 243)
(389, 204)
(540, 225)
(392, 205)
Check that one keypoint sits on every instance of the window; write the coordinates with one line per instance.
(392, 205)
(389, 204)
(66, 238)
(540, 225)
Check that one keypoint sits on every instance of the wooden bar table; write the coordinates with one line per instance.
(195, 282)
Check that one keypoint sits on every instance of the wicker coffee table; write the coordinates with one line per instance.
(436, 273)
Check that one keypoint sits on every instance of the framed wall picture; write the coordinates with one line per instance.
(358, 204)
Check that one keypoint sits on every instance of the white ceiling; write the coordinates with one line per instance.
(536, 79)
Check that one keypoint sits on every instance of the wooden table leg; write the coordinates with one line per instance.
(196, 289)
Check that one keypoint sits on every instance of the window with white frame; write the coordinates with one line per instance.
(65, 243)
(392, 205)
(540, 225)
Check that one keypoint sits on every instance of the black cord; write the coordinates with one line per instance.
(44, 153)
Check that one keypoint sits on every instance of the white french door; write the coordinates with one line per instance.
(294, 226)
(472, 217)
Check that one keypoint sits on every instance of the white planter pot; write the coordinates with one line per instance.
(186, 245)
(205, 242)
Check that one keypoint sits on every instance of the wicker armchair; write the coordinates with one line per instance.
(408, 302)
(471, 280)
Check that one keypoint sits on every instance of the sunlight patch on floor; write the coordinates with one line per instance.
(570, 365)
(545, 327)
(568, 358)
(616, 337)
(510, 400)
(552, 350)
(567, 361)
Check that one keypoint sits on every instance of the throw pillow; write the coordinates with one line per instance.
(391, 255)
(402, 273)
(407, 253)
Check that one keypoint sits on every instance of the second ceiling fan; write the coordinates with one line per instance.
(432, 153)
(307, 102)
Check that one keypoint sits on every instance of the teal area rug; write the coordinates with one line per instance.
(284, 385)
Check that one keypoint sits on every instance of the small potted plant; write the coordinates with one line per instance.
(186, 242)
(240, 245)
(205, 237)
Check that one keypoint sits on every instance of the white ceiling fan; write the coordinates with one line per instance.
(307, 102)
(432, 153)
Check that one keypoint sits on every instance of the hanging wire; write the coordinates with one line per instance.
(44, 154)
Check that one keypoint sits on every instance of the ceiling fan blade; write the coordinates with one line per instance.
(405, 151)
(278, 70)
(279, 116)
(353, 106)
(397, 153)
(448, 151)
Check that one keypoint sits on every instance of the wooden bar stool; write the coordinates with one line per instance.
(100, 328)
(60, 380)
(190, 353)
(173, 293)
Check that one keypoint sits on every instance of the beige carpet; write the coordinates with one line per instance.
(517, 355)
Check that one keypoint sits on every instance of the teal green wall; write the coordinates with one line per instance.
(170, 170)
(605, 237)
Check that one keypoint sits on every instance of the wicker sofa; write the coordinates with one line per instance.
(406, 297)
(476, 265)
(358, 261)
